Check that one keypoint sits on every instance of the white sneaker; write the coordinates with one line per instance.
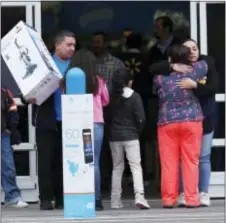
(204, 199)
(19, 204)
(116, 203)
(181, 200)
(141, 202)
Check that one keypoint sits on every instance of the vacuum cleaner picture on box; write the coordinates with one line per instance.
(26, 59)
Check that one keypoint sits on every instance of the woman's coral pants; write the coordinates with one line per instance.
(180, 143)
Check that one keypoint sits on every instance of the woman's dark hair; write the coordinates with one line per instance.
(85, 60)
(121, 79)
(179, 54)
(188, 39)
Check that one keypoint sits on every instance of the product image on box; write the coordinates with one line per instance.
(87, 146)
(24, 56)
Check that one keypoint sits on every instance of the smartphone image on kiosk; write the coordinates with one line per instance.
(87, 146)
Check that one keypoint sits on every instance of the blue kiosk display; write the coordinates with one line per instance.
(77, 133)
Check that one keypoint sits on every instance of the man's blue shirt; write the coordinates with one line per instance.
(62, 66)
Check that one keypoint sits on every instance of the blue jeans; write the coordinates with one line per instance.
(204, 164)
(8, 171)
(98, 139)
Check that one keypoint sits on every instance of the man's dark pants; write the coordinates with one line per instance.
(50, 169)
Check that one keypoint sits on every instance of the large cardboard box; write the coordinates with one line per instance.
(30, 63)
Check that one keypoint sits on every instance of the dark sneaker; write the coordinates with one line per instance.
(168, 206)
(46, 205)
(59, 205)
(193, 206)
(99, 205)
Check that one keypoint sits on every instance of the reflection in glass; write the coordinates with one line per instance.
(22, 163)
(22, 157)
(218, 159)
(23, 123)
(10, 16)
(216, 39)
(219, 131)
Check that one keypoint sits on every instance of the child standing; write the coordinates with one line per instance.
(127, 122)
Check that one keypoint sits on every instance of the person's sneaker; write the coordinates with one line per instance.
(181, 200)
(204, 199)
(99, 205)
(193, 206)
(19, 204)
(168, 206)
(46, 205)
(59, 204)
(141, 202)
(116, 203)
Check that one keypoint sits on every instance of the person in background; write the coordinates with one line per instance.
(135, 62)
(47, 119)
(106, 67)
(126, 125)
(205, 91)
(106, 63)
(126, 33)
(9, 137)
(97, 86)
(179, 129)
(163, 32)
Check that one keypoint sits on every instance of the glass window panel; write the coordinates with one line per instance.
(218, 159)
(22, 163)
(10, 16)
(216, 39)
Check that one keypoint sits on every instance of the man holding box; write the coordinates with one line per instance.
(47, 119)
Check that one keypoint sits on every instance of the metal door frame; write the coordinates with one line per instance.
(199, 8)
(28, 184)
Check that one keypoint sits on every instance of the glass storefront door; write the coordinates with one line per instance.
(25, 153)
(212, 42)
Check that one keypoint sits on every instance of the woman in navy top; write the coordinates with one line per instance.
(179, 129)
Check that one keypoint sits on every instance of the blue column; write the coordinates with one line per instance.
(75, 81)
(78, 205)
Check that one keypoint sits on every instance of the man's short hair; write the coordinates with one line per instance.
(101, 33)
(166, 22)
(62, 34)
